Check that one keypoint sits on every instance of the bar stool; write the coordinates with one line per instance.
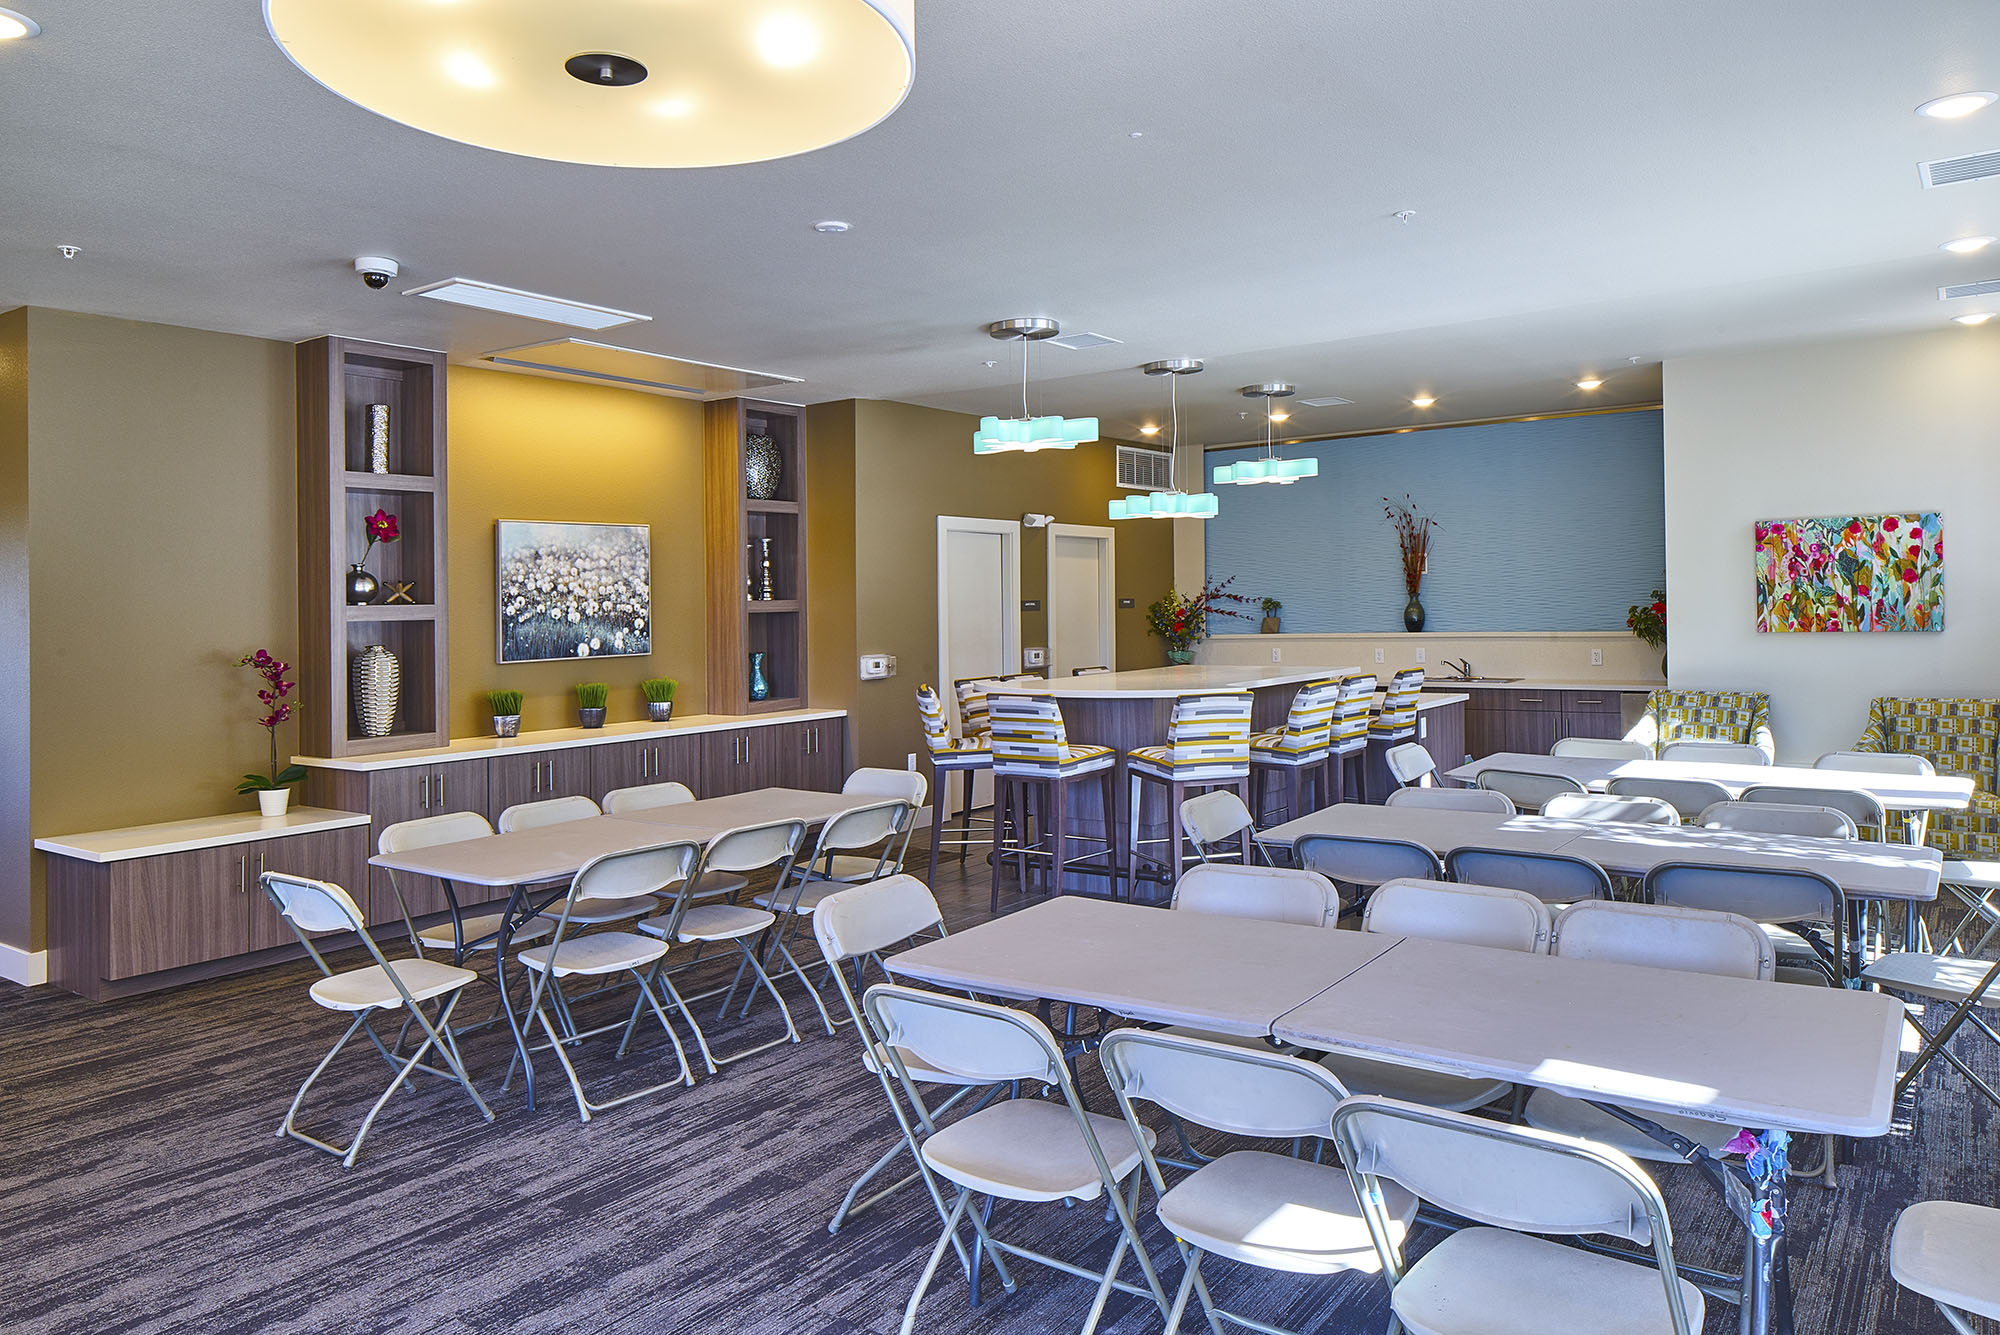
(1034, 766)
(951, 755)
(1395, 722)
(1297, 751)
(1208, 746)
(1347, 736)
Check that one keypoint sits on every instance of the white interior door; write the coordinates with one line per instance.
(1082, 594)
(979, 613)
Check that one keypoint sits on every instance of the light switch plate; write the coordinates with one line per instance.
(1277, 654)
(1034, 658)
(1420, 655)
(1597, 658)
(1378, 655)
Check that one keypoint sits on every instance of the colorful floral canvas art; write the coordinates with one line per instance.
(1851, 572)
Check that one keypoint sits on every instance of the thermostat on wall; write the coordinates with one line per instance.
(1034, 658)
(874, 667)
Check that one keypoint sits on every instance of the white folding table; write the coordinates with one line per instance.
(701, 821)
(1896, 792)
(1634, 1041)
(1436, 828)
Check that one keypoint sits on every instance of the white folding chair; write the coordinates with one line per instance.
(548, 811)
(1914, 824)
(877, 826)
(1650, 936)
(1517, 1182)
(1020, 1149)
(1472, 915)
(1362, 863)
(1489, 800)
(1715, 753)
(1527, 791)
(309, 906)
(1553, 878)
(745, 849)
(1611, 807)
(1772, 897)
(1272, 1211)
(1964, 984)
(1766, 817)
(1410, 765)
(1690, 797)
(1601, 748)
(458, 935)
(854, 925)
(634, 874)
(1210, 818)
(902, 785)
(1863, 811)
(1944, 1250)
(646, 797)
(1274, 894)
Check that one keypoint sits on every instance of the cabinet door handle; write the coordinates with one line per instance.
(424, 790)
(242, 873)
(1590, 702)
(1531, 699)
(440, 787)
(260, 867)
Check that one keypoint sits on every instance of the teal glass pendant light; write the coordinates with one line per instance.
(1026, 434)
(1273, 467)
(1174, 504)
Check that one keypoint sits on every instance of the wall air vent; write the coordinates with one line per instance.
(1078, 342)
(1330, 401)
(1982, 289)
(1951, 171)
(1145, 470)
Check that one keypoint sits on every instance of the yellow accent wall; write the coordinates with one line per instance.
(525, 447)
(16, 865)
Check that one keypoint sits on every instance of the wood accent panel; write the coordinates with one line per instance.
(77, 936)
(731, 520)
(338, 856)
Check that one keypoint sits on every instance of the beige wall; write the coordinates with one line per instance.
(913, 464)
(832, 655)
(161, 549)
(523, 447)
(15, 860)
(1854, 426)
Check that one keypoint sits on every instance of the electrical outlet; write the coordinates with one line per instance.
(1378, 656)
(1277, 655)
(1420, 655)
(910, 761)
(1597, 658)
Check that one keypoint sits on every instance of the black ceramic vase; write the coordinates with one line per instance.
(1413, 615)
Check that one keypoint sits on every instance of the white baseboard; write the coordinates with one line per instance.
(30, 968)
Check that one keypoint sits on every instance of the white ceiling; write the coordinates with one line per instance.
(1591, 183)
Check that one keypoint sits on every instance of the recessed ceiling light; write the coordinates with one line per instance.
(1980, 318)
(1967, 245)
(1135, 134)
(1422, 401)
(832, 226)
(1152, 429)
(1588, 383)
(14, 26)
(1953, 105)
(1281, 416)
(533, 305)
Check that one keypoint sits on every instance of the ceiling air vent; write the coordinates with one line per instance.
(1330, 401)
(1950, 171)
(1078, 342)
(1145, 470)
(1982, 289)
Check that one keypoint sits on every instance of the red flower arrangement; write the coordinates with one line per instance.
(1649, 620)
(275, 697)
(381, 527)
(1183, 622)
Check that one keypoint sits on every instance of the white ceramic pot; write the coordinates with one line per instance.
(273, 801)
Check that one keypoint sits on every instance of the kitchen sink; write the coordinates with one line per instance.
(1495, 679)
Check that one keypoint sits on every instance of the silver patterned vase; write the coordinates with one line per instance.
(378, 682)
(378, 437)
(763, 468)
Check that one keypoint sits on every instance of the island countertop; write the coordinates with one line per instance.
(1538, 684)
(1163, 683)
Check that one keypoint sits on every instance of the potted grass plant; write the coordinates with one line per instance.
(274, 791)
(591, 698)
(506, 707)
(659, 693)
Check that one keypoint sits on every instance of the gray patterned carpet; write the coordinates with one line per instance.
(144, 1192)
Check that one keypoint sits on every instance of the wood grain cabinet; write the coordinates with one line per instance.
(809, 755)
(398, 793)
(635, 764)
(739, 759)
(536, 776)
(1531, 721)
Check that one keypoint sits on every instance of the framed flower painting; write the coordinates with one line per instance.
(1851, 572)
(573, 590)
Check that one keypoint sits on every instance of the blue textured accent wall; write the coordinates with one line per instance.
(1550, 525)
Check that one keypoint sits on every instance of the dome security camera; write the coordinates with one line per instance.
(376, 270)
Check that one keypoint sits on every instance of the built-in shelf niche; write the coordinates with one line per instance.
(740, 624)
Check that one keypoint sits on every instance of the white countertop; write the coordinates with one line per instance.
(1539, 684)
(182, 836)
(639, 730)
(1164, 682)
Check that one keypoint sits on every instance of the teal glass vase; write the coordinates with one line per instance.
(760, 682)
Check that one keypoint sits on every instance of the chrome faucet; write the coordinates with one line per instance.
(1463, 667)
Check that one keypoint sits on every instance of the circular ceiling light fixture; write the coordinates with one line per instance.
(1968, 245)
(701, 83)
(15, 26)
(1953, 105)
(834, 227)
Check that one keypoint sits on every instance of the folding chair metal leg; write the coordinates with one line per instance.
(1935, 1044)
(937, 1255)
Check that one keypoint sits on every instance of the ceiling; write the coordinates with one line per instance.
(1592, 184)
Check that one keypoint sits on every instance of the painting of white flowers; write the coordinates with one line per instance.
(573, 590)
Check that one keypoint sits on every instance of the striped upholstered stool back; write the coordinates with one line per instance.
(1209, 736)
(972, 713)
(1348, 732)
(945, 750)
(1308, 730)
(1398, 716)
(1029, 740)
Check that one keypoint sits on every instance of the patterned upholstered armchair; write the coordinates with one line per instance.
(1706, 716)
(1958, 737)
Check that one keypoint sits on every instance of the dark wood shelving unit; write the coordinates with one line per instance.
(739, 625)
(337, 379)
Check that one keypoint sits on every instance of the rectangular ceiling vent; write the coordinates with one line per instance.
(1145, 470)
(1951, 171)
(1330, 401)
(1956, 290)
(1078, 342)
